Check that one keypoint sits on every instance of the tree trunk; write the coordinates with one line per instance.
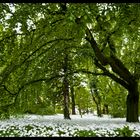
(66, 89)
(98, 106)
(105, 109)
(66, 100)
(132, 104)
(54, 106)
(80, 110)
(99, 113)
(73, 101)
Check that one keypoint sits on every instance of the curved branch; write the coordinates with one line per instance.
(112, 76)
(115, 63)
(36, 81)
(94, 45)
(87, 72)
(8, 90)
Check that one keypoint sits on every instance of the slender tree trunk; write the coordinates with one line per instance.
(98, 106)
(132, 104)
(80, 110)
(54, 106)
(99, 113)
(73, 101)
(66, 89)
(105, 109)
(66, 99)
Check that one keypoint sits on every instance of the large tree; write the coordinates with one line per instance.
(119, 72)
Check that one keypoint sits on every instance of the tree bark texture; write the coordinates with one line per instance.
(73, 101)
(66, 89)
(133, 104)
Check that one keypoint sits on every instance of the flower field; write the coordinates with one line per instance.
(56, 126)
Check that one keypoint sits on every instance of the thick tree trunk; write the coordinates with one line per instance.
(132, 104)
(73, 101)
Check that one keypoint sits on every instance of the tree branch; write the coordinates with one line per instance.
(116, 65)
(112, 76)
(94, 45)
(8, 90)
(88, 72)
(36, 81)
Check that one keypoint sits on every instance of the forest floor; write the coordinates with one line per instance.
(57, 126)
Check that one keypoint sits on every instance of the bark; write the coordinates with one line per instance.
(66, 99)
(66, 89)
(133, 103)
(99, 113)
(73, 101)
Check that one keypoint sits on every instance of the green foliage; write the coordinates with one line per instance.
(4, 113)
(83, 99)
(43, 111)
(28, 127)
(10, 132)
(85, 133)
(124, 132)
(118, 104)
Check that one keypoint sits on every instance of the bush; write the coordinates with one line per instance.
(117, 115)
(118, 112)
(40, 110)
(45, 111)
(4, 114)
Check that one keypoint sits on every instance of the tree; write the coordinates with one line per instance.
(83, 100)
(122, 75)
(96, 95)
(105, 33)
